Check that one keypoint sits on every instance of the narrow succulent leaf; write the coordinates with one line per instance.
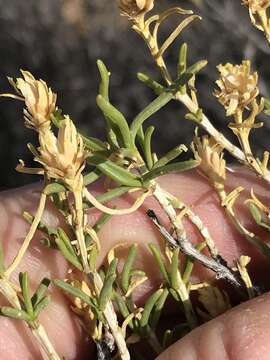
(125, 279)
(150, 110)
(114, 171)
(103, 219)
(2, 258)
(258, 216)
(158, 308)
(157, 255)
(189, 263)
(53, 188)
(147, 146)
(91, 177)
(167, 339)
(197, 67)
(67, 252)
(182, 60)
(24, 283)
(117, 119)
(14, 313)
(266, 107)
(74, 291)
(170, 169)
(92, 258)
(150, 303)
(41, 305)
(112, 268)
(152, 84)
(106, 292)
(121, 304)
(138, 273)
(174, 273)
(93, 144)
(41, 291)
(104, 79)
(114, 193)
(66, 240)
(170, 156)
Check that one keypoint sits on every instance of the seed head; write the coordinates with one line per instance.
(210, 155)
(237, 86)
(39, 100)
(135, 8)
(63, 157)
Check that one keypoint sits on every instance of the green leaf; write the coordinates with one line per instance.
(158, 308)
(103, 219)
(106, 292)
(189, 263)
(40, 292)
(150, 303)
(171, 155)
(152, 84)
(92, 258)
(266, 107)
(53, 188)
(147, 146)
(105, 79)
(150, 110)
(125, 279)
(14, 313)
(114, 171)
(93, 144)
(66, 249)
(157, 255)
(112, 194)
(2, 258)
(74, 291)
(182, 60)
(24, 283)
(117, 119)
(170, 169)
(174, 273)
(258, 216)
(44, 302)
(91, 177)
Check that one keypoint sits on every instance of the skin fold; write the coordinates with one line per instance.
(241, 333)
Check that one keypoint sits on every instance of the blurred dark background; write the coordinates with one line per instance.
(60, 40)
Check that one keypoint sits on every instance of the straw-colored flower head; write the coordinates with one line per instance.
(39, 100)
(209, 153)
(257, 5)
(237, 86)
(135, 8)
(63, 157)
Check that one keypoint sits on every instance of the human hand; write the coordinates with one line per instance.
(241, 333)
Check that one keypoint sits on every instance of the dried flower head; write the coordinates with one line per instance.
(40, 101)
(256, 5)
(63, 157)
(237, 86)
(135, 8)
(210, 155)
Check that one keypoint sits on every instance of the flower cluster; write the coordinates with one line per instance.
(63, 157)
(257, 5)
(135, 8)
(237, 86)
(209, 153)
(39, 99)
